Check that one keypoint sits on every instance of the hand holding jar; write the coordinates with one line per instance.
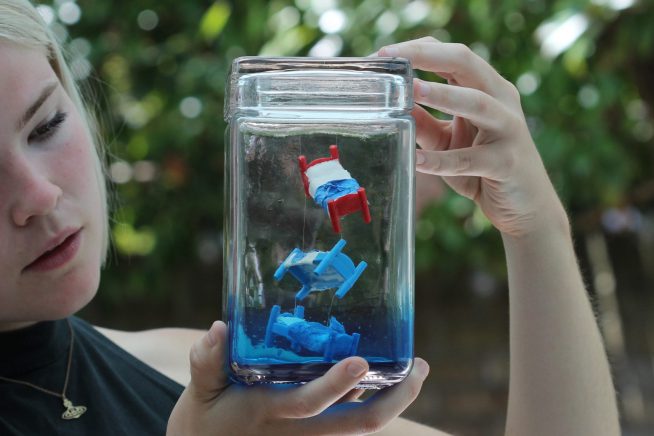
(485, 152)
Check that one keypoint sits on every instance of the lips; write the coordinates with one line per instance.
(58, 252)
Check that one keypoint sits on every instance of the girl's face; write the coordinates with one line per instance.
(51, 221)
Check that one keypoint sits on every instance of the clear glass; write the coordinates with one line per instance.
(307, 285)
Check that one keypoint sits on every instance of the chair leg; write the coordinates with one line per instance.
(355, 343)
(274, 313)
(329, 347)
(347, 284)
(344, 288)
(329, 258)
(303, 293)
(283, 267)
(365, 210)
(333, 216)
(302, 161)
(333, 151)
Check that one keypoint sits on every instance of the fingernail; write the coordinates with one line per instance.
(356, 369)
(422, 367)
(211, 335)
(390, 51)
(420, 158)
(421, 88)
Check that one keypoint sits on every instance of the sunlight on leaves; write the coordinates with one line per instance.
(214, 20)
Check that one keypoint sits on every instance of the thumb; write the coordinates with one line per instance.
(207, 359)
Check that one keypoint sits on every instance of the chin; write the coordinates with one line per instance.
(68, 295)
(79, 292)
(79, 285)
(57, 302)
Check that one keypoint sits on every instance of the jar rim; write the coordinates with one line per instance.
(315, 84)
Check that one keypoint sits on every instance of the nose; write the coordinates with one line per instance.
(35, 196)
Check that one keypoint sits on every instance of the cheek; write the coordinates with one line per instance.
(78, 163)
(81, 174)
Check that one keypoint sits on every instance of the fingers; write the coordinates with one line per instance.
(314, 397)
(424, 38)
(453, 62)
(376, 412)
(431, 133)
(463, 133)
(207, 358)
(479, 108)
(481, 161)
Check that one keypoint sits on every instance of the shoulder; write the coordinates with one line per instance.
(165, 349)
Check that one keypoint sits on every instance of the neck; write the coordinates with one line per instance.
(8, 326)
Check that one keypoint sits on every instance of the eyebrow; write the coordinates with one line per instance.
(29, 113)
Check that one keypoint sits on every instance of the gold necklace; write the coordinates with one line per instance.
(72, 411)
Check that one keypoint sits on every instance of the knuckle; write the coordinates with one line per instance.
(195, 358)
(333, 389)
(480, 102)
(196, 363)
(511, 122)
(512, 90)
(435, 164)
(300, 408)
(445, 95)
(462, 51)
(463, 163)
(421, 50)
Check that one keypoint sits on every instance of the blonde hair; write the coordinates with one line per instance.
(21, 24)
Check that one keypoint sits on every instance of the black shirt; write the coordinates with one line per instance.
(123, 395)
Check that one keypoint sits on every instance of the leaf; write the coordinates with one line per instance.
(214, 20)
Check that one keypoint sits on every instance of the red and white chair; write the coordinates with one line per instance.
(329, 169)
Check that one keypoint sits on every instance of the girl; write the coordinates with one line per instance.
(67, 377)
(64, 376)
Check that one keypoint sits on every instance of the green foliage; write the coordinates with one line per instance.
(161, 66)
(214, 20)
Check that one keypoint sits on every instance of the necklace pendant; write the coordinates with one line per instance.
(72, 411)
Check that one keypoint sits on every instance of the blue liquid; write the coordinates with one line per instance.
(389, 357)
(274, 217)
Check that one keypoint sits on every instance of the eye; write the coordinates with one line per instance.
(47, 128)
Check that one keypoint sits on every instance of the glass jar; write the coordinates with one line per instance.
(319, 218)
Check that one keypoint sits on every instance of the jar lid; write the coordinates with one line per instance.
(319, 84)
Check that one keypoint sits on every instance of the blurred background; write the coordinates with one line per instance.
(156, 74)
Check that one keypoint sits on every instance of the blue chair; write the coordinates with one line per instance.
(330, 341)
(321, 270)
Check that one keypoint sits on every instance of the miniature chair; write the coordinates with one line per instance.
(332, 188)
(321, 270)
(331, 341)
